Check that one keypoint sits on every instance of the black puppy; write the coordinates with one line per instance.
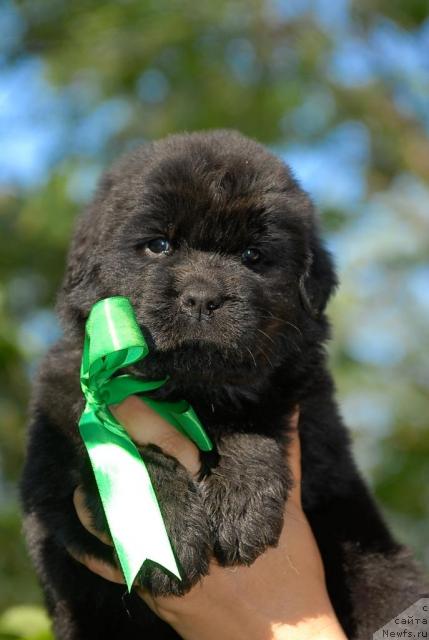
(217, 248)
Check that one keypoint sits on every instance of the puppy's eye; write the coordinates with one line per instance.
(159, 245)
(250, 256)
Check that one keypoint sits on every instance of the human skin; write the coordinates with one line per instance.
(282, 595)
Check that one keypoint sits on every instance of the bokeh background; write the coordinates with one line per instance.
(339, 89)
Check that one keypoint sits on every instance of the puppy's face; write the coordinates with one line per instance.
(213, 242)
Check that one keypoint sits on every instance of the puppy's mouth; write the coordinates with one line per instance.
(200, 362)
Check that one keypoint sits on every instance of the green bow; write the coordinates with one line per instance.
(113, 340)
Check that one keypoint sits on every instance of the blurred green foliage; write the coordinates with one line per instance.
(24, 622)
(315, 80)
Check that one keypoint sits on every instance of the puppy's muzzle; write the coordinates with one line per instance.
(201, 300)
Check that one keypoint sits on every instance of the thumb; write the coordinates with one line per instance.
(146, 426)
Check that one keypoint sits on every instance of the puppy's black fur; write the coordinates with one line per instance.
(217, 248)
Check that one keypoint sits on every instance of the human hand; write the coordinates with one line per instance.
(281, 595)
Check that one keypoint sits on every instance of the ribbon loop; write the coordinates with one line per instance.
(113, 340)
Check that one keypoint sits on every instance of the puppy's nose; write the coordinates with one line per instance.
(200, 301)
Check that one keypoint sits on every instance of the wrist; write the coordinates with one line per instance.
(317, 622)
(322, 627)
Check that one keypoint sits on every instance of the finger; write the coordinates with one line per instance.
(85, 517)
(102, 569)
(145, 426)
(294, 456)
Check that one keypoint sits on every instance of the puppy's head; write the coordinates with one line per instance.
(216, 246)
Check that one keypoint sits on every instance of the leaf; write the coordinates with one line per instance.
(25, 622)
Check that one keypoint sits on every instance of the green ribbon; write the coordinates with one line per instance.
(113, 340)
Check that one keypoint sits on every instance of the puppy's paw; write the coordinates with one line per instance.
(186, 523)
(244, 497)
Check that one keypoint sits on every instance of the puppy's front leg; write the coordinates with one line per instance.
(244, 497)
(185, 519)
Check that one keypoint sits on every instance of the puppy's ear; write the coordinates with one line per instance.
(80, 288)
(82, 266)
(318, 280)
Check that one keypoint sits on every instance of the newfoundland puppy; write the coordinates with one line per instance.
(217, 248)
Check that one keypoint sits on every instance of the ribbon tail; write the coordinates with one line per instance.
(129, 501)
